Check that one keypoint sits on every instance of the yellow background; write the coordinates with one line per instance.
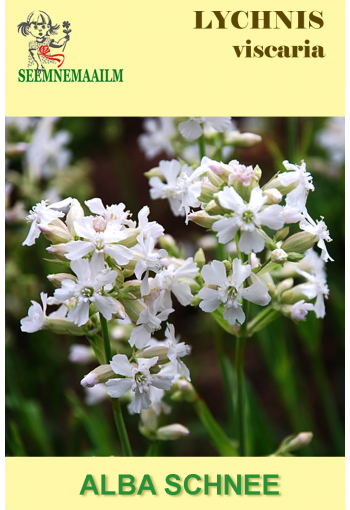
(55, 483)
(172, 69)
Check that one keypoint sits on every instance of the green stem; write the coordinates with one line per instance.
(105, 336)
(123, 434)
(226, 374)
(201, 145)
(237, 238)
(153, 449)
(117, 411)
(241, 423)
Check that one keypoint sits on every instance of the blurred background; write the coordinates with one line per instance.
(295, 372)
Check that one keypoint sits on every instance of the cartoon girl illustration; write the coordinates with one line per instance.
(39, 26)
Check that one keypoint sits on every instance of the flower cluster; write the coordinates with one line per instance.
(257, 220)
(116, 272)
(174, 136)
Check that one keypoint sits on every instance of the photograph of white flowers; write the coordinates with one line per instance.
(174, 286)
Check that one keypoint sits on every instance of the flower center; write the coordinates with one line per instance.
(232, 292)
(87, 292)
(140, 378)
(248, 217)
(99, 243)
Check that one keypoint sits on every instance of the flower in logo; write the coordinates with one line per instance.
(66, 24)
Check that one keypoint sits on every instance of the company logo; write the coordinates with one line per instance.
(41, 30)
(44, 63)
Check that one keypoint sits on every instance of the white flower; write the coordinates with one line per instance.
(115, 212)
(301, 179)
(300, 310)
(149, 260)
(89, 288)
(36, 316)
(47, 152)
(291, 214)
(248, 218)
(81, 354)
(157, 138)
(21, 124)
(146, 227)
(320, 230)
(175, 279)
(230, 291)
(43, 214)
(100, 238)
(182, 187)
(243, 174)
(177, 350)
(138, 378)
(38, 319)
(193, 128)
(150, 320)
(332, 138)
(312, 263)
(315, 287)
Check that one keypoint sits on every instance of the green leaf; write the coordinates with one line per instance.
(217, 436)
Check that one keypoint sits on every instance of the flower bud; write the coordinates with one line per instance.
(62, 325)
(131, 287)
(208, 191)
(130, 239)
(215, 179)
(293, 295)
(203, 219)
(57, 279)
(100, 374)
(75, 213)
(295, 257)
(279, 256)
(172, 432)
(228, 265)
(299, 242)
(199, 258)
(243, 140)
(14, 149)
(133, 308)
(149, 422)
(195, 301)
(281, 234)
(168, 243)
(59, 250)
(56, 232)
(157, 350)
(183, 390)
(120, 310)
(154, 172)
(285, 285)
(292, 443)
(214, 207)
(258, 172)
(274, 196)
